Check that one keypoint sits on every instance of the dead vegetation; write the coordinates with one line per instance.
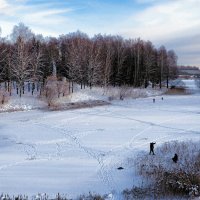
(45, 196)
(166, 178)
(177, 91)
(4, 97)
(54, 89)
(78, 105)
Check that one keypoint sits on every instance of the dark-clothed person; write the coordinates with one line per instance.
(152, 148)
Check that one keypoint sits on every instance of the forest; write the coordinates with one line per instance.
(101, 60)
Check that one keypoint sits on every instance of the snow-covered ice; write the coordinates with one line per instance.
(76, 151)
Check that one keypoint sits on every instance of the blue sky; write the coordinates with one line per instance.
(173, 23)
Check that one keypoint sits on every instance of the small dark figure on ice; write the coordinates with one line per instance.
(154, 100)
(120, 168)
(162, 98)
(175, 158)
(152, 148)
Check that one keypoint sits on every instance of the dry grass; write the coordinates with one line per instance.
(4, 97)
(78, 105)
(45, 196)
(169, 178)
(91, 197)
(125, 92)
(177, 91)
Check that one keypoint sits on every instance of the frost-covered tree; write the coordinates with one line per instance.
(21, 63)
(22, 31)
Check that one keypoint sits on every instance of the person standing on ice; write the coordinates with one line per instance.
(152, 148)
(175, 158)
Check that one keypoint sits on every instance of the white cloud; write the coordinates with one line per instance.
(3, 4)
(166, 21)
(160, 22)
(46, 19)
(187, 48)
(163, 21)
(43, 17)
(5, 7)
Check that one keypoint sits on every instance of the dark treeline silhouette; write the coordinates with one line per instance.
(102, 60)
(188, 68)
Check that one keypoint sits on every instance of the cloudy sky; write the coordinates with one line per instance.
(173, 23)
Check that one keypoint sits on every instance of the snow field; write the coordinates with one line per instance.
(77, 151)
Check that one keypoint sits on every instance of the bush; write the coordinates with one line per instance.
(181, 178)
(54, 89)
(139, 193)
(4, 97)
(179, 182)
(177, 91)
(45, 196)
(91, 197)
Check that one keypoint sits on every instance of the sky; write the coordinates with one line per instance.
(172, 23)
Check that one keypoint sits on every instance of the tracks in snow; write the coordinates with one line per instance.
(73, 140)
(104, 174)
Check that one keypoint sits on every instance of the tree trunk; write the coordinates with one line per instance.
(167, 81)
(72, 86)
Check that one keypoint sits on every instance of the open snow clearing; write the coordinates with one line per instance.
(76, 151)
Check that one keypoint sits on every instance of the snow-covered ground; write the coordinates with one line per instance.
(76, 151)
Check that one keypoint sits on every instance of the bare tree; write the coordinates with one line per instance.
(120, 57)
(22, 31)
(96, 61)
(149, 61)
(78, 57)
(2, 59)
(138, 48)
(109, 52)
(36, 64)
(171, 66)
(101, 60)
(5, 63)
(37, 59)
(21, 64)
(162, 63)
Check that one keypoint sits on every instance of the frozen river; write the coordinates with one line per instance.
(77, 151)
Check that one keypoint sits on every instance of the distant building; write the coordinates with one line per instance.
(188, 73)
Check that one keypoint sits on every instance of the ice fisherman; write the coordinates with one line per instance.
(175, 158)
(152, 148)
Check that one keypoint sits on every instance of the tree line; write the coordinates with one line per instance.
(102, 60)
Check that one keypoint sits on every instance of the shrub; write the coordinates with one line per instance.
(179, 182)
(177, 91)
(91, 197)
(54, 88)
(4, 97)
(181, 178)
(138, 193)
